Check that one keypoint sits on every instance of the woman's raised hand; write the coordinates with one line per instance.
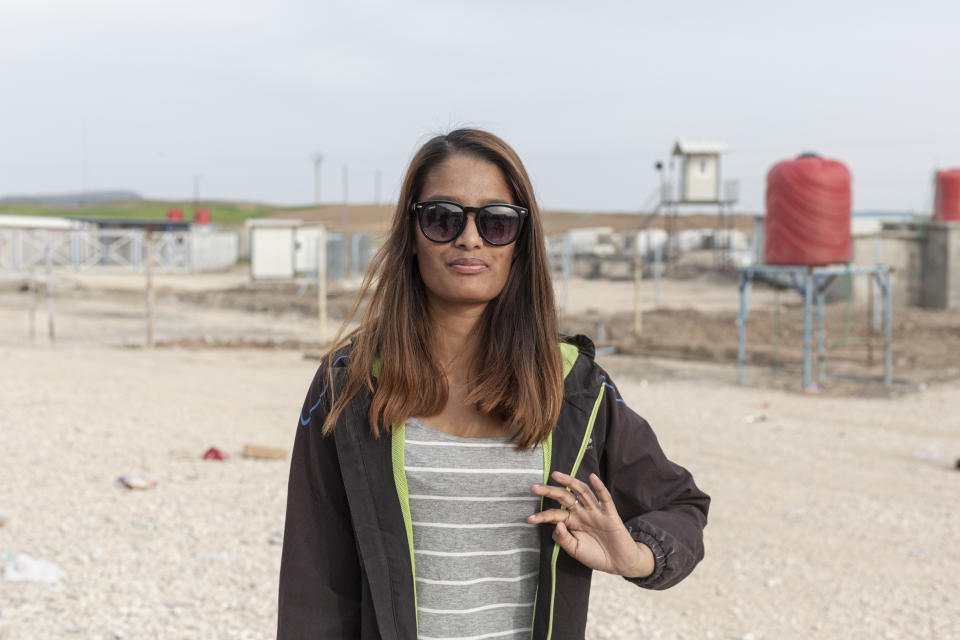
(589, 528)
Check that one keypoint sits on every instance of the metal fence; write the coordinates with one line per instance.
(124, 249)
(348, 255)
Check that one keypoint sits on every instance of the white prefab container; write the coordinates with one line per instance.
(273, 249)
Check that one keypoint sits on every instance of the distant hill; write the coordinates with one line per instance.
(73, 199)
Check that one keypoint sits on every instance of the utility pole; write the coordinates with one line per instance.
(196, 193)
(317, 161)
(83, 170)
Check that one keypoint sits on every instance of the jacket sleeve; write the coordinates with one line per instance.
(658, 500)
(320, 588)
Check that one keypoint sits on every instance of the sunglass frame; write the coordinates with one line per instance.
(416, 208)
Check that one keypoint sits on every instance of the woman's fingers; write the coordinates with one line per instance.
(572, 496)
(562, 536)
(553, 516)
(561, 495)
(587, 499)
(606, 500)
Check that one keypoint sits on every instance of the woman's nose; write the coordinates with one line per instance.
(470, 236)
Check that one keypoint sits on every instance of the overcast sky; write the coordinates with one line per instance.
(145, 95)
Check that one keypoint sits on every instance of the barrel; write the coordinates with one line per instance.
(808, 212)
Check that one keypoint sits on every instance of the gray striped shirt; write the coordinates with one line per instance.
(476, 556)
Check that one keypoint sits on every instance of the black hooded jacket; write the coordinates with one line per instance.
(346, 568)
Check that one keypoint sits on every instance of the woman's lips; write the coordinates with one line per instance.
(467, 265)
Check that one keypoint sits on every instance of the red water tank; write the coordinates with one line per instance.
(175, 215)
(947, 204)
(808, 212)
(201, 216)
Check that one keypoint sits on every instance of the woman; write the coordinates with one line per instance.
(459, 470)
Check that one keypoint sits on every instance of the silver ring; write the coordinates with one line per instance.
(576, 501)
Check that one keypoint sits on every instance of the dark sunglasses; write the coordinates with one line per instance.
(443, 221)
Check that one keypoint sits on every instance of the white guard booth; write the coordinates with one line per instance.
(700, 169)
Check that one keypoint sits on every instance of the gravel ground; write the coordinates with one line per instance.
(832, 517)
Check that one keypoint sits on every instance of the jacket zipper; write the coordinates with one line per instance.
(572, 473)
(397, 450)
(547, 457)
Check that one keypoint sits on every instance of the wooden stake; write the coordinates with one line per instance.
(149, 286)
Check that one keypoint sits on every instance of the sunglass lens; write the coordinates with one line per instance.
(498, 225)
(440, 221)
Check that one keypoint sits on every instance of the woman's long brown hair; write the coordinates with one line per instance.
(516, 374)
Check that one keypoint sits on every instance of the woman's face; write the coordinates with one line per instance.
(467, 270)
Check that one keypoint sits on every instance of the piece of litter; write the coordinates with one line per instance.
(214, 454)
(264, 453)
(919, 553)
(752, 419)
(25, 568)
(136, 482)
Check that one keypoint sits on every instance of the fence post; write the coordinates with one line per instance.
(32, 292)
(321, 257)
(637, 278)
(566, 261)
(657, 273)
(149, 285)
(48, 258)
(877, 258)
